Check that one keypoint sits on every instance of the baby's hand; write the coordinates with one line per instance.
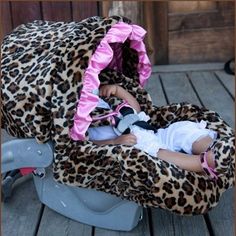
(126, 139)
(107, 90)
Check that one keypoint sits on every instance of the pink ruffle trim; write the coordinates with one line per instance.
(103, 55)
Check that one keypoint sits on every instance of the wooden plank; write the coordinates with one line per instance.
(155, 21)
(24, 12)
(82, 10)
(166, 223)
(227, 80)
(161, 36)
(105, 5)
(178, 88)
(147, 24)
(140, 230)
(209, 88)
(188, 67)
(155, 90)
(190, 6)
(217, 17)
(20, 215)
(195, 46)
(129, 9)
(56, 11)
(222, 216)
(6, 21)
(213, 95)
(54, 224)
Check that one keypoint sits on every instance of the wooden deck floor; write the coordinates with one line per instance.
(202, 85)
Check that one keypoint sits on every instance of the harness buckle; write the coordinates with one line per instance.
(126, 121)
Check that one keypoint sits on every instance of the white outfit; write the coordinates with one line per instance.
(176, 137)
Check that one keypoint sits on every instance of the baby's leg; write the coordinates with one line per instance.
(201, 144)
(184, 161)
(187, 161)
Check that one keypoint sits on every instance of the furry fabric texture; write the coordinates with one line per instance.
(43, 64)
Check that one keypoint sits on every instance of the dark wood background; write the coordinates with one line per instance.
(15, 13)
(177, 32)
(182, 32)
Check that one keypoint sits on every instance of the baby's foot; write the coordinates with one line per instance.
(210, 158)
(208, 163)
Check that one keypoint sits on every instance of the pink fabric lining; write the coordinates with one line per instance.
(103, 55)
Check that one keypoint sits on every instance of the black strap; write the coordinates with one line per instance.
(145, 125)
(141, 124)
(126, 111)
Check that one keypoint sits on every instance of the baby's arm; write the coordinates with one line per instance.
(126, 139)
(118, 91)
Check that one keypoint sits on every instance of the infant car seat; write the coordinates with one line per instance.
(50, 75)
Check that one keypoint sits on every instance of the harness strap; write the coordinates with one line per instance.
(125, 110)
(143, 124)
(112, 114)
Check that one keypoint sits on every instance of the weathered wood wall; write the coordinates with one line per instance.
(201, 31)
(177, 31)
(182, 31)
(14, 13)
(129, 9)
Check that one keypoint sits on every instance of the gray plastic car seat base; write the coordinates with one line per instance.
(84, 205)
(87, 205)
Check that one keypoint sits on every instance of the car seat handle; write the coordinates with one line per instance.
(23, 153)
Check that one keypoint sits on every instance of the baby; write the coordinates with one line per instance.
(193, 138)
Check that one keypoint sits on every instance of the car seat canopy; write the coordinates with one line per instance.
(108, 54)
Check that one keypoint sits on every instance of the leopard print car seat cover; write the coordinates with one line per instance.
(42, 68)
